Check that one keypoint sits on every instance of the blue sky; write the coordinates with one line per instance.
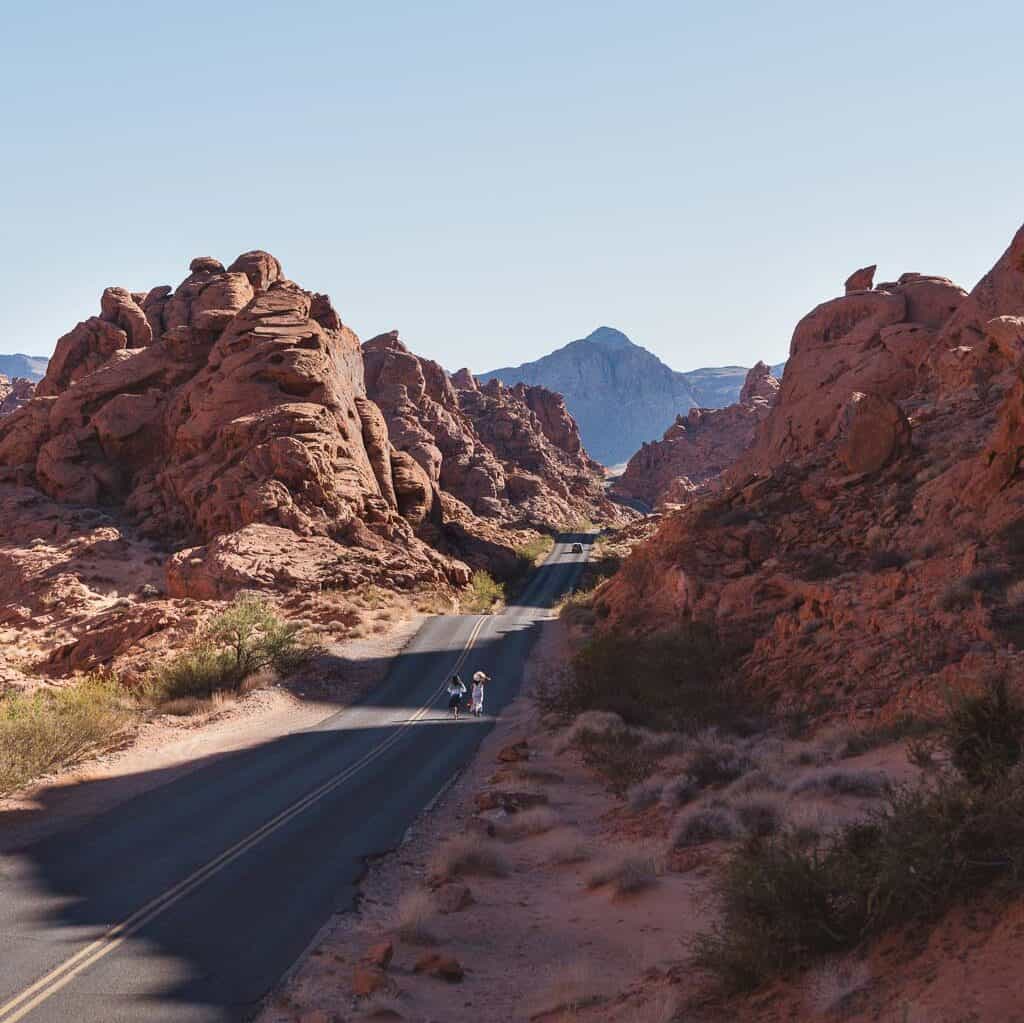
(495, 180)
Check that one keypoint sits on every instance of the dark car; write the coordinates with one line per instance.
(577, 548)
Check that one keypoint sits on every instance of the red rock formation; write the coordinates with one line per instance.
(14, 393)
(866, 551)
(511, 454)
(699, 446)
(247, 410)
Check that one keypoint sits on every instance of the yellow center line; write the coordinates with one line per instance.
(22, 1004)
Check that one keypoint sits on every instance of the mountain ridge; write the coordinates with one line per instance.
(620, 393)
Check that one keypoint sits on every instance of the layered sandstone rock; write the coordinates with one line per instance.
(508, 454)
(232, 402)
(699, 446)
(865, 555)
(879, 342)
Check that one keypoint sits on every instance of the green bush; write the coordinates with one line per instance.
(785, 904)
(483, 594)
(985, 733)
(676, 680)
(244, 639)
(51, 729)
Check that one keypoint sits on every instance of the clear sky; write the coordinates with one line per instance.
(496, 179)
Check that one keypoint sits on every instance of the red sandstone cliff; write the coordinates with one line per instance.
(867, 549)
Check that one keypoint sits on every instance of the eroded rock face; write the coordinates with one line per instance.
(699, 446)
(861, 280)
(865, 554)
(14, 393)
(233, 403)
(508, 454)
(879, 342)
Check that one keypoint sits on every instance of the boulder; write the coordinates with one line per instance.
(861, 280)
(875, 432)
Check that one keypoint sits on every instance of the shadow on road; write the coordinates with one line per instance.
(214, 953)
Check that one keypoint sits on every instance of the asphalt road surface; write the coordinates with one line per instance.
(189, 902)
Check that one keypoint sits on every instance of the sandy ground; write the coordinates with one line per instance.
(166, 747)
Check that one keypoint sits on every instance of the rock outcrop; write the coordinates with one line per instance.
(509, 454)
(864, 556)
(14, 393)
(699, 446)
(223, 434)
(229, 412)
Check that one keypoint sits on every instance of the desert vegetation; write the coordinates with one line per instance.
(57, 727)
(234, 646)
(787, 901)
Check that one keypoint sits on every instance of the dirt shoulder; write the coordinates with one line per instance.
(165, 747)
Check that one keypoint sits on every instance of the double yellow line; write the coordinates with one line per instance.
(59, 977)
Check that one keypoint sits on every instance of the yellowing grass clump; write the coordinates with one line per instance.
(50, 729)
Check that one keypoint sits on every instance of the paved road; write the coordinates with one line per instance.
(189, 902)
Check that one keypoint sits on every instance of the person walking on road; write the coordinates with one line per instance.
(456, 691)
(477, 699)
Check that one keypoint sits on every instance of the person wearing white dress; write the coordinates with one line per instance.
(477, 696)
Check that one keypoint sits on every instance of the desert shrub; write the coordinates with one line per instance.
(567, 846)
(715, 762)
(530, 551)
(758, 780)
(674, 681)
(705, 824)
(885, 560)
(621, 757)
(468, 854)
(759, 817)
(984, 732)
(626, 873)
(245, 638)
(679, 791)
(866, 784)
(786, 904)
(54, 728)
(483, 593)
(416, 911)
(644, 794)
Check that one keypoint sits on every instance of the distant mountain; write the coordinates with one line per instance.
(619, 393)
(33, 367)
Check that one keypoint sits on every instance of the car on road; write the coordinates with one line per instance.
(577, 548)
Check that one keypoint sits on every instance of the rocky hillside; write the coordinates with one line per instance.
(868, 550)
(192, 442)
(699, 446)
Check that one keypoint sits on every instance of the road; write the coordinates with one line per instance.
(188, 903)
